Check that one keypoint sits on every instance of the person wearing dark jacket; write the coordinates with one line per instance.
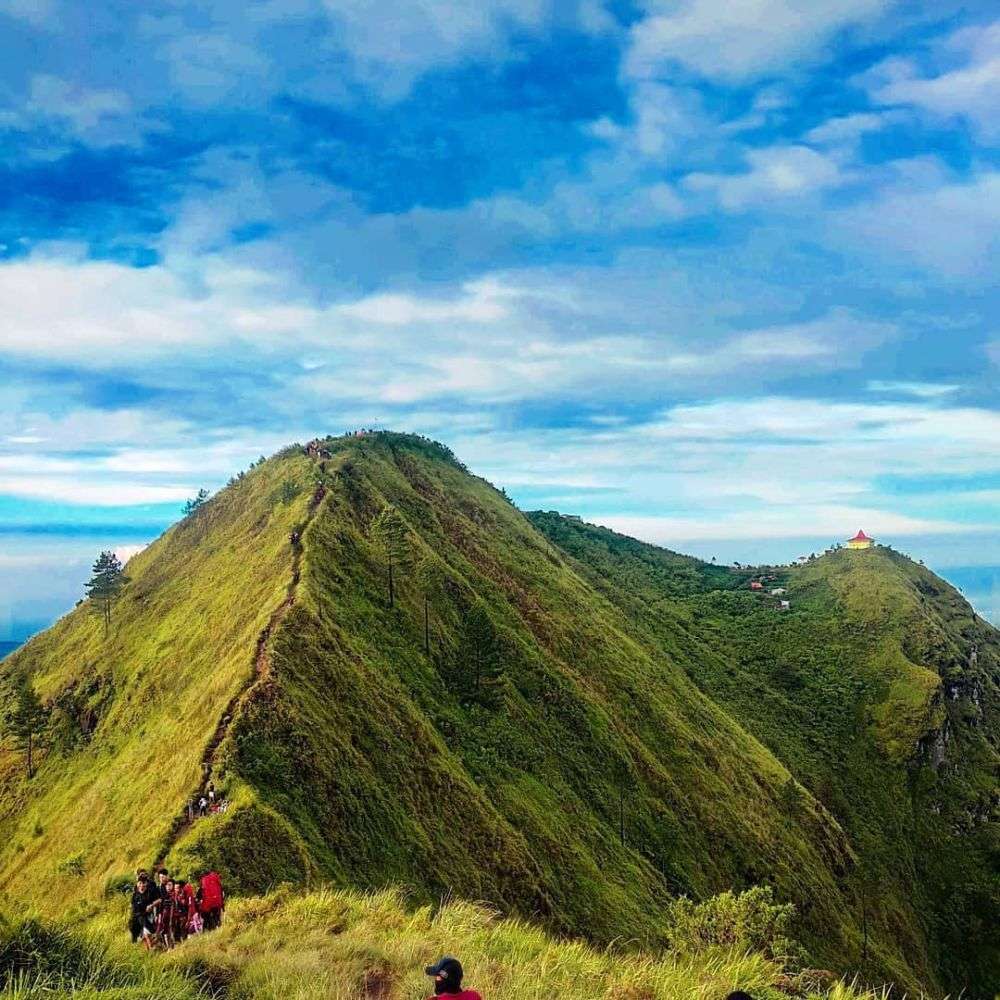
(142, 922)
(447, 975)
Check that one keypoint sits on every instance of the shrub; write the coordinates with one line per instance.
(72, 864)
(748, 921)
(119, 884)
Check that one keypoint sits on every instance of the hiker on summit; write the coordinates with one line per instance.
(447, 974)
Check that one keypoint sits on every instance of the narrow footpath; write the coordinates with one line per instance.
(260, 675)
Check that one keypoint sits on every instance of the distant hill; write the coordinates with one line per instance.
(560, 720)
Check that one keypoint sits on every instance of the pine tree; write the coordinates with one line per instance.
(105, 586)
(24, 719)
(431, 578)
(479, 656)
(195, 502)
(392, 534)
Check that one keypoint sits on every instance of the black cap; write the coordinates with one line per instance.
(446, 966)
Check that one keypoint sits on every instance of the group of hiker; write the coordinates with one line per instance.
(206, 803)
(167, 909)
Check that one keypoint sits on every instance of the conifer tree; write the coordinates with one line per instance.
(24, 719)
(431, 577)
(479, 656)
(105, 586)
(195, 502)
(392, 534)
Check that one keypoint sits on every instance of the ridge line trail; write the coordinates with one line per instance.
(260, 675)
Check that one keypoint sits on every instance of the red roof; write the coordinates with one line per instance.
(861, 537)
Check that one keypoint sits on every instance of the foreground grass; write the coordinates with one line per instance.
(346, 945)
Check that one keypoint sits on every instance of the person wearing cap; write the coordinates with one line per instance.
(447, 975)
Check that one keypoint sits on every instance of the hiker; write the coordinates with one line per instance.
(202, 806)
(144, 896)
(739, 995)
(213, 900)
(165, 914)
(211, 793)
(447, 974)
(183, 905)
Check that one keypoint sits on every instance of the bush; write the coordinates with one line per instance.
(748, 921)
(119, 885)
(72, 864)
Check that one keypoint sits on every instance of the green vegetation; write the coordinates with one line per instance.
(24, 719)
(105, 586)
(190, 506)
(343, 945)
(878, 692)
(573, 726)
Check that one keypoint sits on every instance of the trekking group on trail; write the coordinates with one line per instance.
(167, 910)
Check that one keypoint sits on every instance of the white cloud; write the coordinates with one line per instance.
(84, 109)
(390, 52)
(102, 493)
(951, 227)
(821, 520)
(484, 301)
(35, 12)
(963, 83)
(922, 390)
(210, 66)
(775, 174)
(736, 41)
(848, 128)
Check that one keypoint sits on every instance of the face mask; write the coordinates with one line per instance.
(444, 984)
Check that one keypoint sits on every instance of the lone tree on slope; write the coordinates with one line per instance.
(24, 719)
(195, 502)
(105, 586)
(392, 534)
(429, 578)
(479, 656)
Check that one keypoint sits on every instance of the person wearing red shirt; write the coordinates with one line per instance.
(447, 975)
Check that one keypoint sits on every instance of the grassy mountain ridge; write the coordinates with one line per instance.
(617, 758)
(879, 691)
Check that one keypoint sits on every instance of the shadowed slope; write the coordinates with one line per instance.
(879, 691)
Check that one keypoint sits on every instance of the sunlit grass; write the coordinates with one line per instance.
(342, 945)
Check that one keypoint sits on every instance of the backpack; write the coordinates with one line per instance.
(211, 892)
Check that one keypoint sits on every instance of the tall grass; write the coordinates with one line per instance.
(343, 945)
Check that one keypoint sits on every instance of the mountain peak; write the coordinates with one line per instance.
(611, 724)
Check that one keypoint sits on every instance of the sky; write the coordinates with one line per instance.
(719, 275)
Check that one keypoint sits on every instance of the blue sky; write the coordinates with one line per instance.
(719, 275)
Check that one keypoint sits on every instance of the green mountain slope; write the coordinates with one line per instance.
(879, 691)
(592, 729)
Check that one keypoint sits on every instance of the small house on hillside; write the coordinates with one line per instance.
(784, 605)
(778, 591)
(860, 541)
(756, 585)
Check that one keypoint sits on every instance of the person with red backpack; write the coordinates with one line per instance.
(213, 900)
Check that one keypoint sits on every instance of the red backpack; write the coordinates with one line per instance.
(211, 892)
